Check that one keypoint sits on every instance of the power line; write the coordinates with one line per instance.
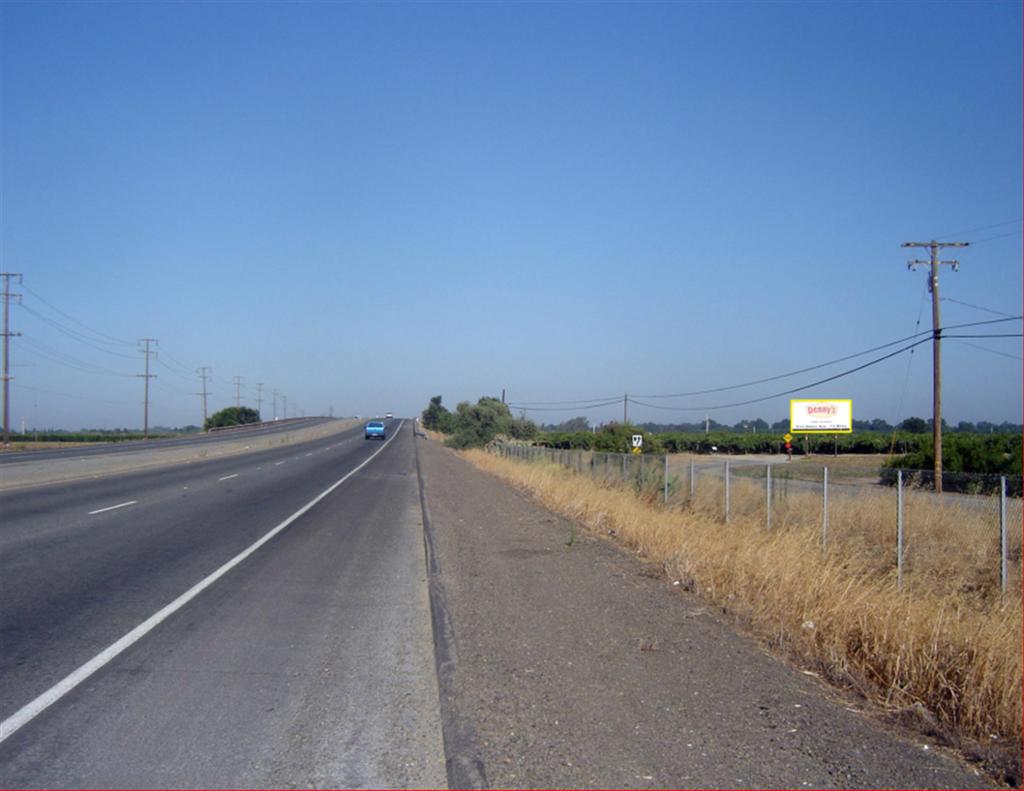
(73, 397)
(579, 401)
(997, 335)
(583, 408)
(61, 358)
(181, 365)
(595, 403)
(74, 334)
(825, 364)
(977, 307)
(982, 228)
(109, 338)
(990, 351)
(785, 392)
(993, 238)
(910, 363)
(169, 389)
(174, 371)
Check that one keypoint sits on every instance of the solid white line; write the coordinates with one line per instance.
(31, 710)
(112, 507)
(228, 477)
(278, 463)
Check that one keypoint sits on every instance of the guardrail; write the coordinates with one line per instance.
(250, 426)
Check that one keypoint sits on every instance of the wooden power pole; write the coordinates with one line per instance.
(7, 335)
(204, 375)
(145, 378)
(933, 286)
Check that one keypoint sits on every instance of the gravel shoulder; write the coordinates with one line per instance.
(567, 662)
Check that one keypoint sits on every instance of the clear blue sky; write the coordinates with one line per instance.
(365, 205)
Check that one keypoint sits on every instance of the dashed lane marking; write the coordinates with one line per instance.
(112, 507)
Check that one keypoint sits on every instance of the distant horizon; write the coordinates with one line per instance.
(1009, 426)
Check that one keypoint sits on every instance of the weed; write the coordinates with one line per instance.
(946, 641)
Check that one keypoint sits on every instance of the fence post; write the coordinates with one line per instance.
(726, 490)
(1003, 542)
(625, 471)
(664, 476)
(693, 478)
(768, 494)
(899, 528)
(824, 508)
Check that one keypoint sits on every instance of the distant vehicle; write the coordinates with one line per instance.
(389, 416)
(375, 430)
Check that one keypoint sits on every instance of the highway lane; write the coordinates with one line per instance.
(309, 663)
(132, 446)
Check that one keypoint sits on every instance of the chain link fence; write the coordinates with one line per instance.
(967, 537)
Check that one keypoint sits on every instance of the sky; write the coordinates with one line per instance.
(361, 206)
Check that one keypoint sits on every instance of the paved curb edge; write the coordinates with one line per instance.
(464, 769)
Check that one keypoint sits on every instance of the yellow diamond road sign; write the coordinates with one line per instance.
(788, 437)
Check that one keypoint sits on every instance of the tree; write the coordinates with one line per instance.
(571, 426)
(477, 424)
(914, 425)
(436, 417)
(618, 438)
(232, 416)
(474, 425)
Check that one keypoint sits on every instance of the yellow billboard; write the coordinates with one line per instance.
(821, 416)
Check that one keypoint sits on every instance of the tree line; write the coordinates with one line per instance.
(988, 448)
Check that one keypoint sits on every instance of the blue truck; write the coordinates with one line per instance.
(375, 430)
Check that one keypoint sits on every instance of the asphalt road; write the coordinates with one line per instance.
(99, 449)
(307, 663)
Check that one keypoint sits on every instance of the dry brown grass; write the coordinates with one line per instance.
(946, 650)
(30, 445)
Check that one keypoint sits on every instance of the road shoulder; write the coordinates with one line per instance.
(574, 664)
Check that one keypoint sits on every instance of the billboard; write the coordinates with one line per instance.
(821, 416)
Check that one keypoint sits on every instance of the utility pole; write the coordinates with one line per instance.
(284, 408)
(204, 374)
(933, 286)
(145, 378)
(7, 335)
(259, 396)
(237, 382)
(625, 409)
(275, 404)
